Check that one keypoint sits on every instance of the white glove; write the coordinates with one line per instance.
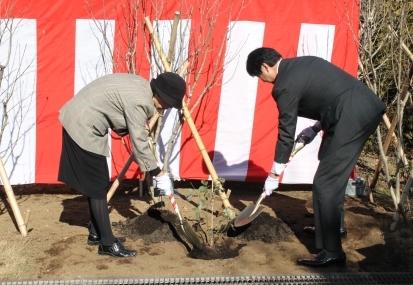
(306, 136)
(164, 184)
(277, 168)
(270, 185)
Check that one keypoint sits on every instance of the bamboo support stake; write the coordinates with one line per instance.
(207, 160)
(122, 173)
(400, 209)
(184, 68)
(128, 163)
(385, 148)
(26, 218)
(406, 49)
(392, 127)
(172, 42)
(12, 200)
(157, 44)
(395, 140)
(228, 208)
(368, 190)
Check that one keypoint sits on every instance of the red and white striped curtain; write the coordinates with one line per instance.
(57, 47)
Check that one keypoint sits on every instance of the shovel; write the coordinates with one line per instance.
(187, 229)
(253, 210)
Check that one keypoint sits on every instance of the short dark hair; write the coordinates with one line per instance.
(259, 56)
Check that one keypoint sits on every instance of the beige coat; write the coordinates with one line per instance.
(121, 102)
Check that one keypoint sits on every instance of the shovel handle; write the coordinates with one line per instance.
(257, 204)
(297, 147)
(175, 205)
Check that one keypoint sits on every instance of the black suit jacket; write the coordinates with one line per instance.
(314, 88)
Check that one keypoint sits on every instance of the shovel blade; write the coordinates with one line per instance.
(245, 216)
(191, 235)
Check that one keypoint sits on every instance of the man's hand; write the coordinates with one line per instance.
(306, 136)
(270, 185)
(163, 183)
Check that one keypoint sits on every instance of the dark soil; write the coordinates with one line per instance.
(159, 225)
(55, 246)
(264, 228)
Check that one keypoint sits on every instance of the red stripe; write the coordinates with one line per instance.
(173, 202)
(345, 49)
(205, 115)
(124, 38)
(53, 62)
(282, 33)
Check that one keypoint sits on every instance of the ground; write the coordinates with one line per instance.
(55, 246)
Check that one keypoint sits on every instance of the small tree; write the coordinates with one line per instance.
(17, 83)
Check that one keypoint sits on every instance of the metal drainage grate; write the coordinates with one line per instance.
(310, 279)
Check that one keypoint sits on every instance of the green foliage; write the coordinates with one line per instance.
(210, 221)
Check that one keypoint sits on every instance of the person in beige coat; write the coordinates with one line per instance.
(122, 103)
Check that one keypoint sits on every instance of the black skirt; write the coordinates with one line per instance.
(82, 170)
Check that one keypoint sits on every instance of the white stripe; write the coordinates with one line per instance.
(18, 144)
(163, 30)
(93, 57)
(237, 102)
(303, 166)
(316, 40)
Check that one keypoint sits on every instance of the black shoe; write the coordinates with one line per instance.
(116, 250)
(311, 230)
(94, 239)
(324, 258)
(343, 233)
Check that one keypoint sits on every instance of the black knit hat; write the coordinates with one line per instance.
(170, 87)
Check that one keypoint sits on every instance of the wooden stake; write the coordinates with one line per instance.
(406, 49)
(392, 127)
(229, 209)
(405, 194)
(172, 42)
(368, 190)
(128, 163)
(157, 45)
(26, 217)
(207, 160)
(12, 200)
(395, 140)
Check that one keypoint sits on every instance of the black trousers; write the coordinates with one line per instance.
(329, 188)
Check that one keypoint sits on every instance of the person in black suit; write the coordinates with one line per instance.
(348, 112)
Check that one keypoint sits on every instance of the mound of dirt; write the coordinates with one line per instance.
(153, 226)
(159, 225)
(264, 228)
